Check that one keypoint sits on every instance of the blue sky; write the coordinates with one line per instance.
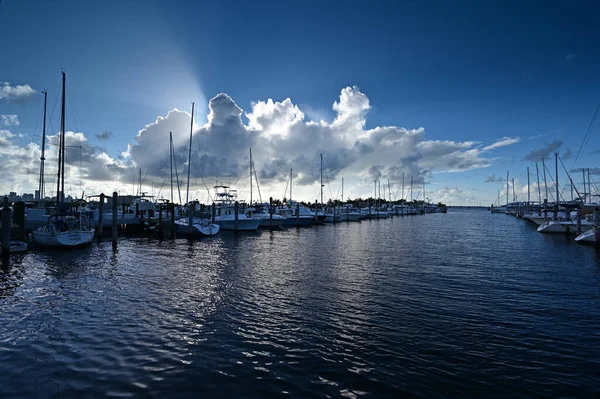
(465, 71)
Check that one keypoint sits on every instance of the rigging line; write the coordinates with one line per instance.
(72, 109)
(176, 174)
(552, 180)
(37, 125)
(587, 135)
(256, 178)
(569, 176)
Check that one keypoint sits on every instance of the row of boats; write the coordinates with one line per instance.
(580, 219)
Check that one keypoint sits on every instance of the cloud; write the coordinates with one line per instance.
(16, 94)
(281, 139)
(537, 155)
(593, 171)
(494, 179)
(594, 152)
(9, 120)
(570, 57)
(502, 143)
(104, 135)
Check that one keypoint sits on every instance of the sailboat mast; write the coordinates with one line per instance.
(545, 181)
(556, 172)
(507, 186)
(589, 185)
(528, 192)
(403, 186)
(342, 190)
(513, 187)
(59, 194)
(187, 193)
(411, 189)
(171, 158)
(537, 172)
(584, 192)
(390, 190)
(321, 181)
(43, 157)
(250, 176)
(290, 186)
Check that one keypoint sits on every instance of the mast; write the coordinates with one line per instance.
(589, 185)
(584, 194)
(187, 193)
(507, 187)
(411, 189)
(290, 186)
(390, 190)
(545, 181)
(251, 177)
(342, 190)
(556, 171)
(528, 192)
(513, 187)
(322, 183)
(59, 194)
(43, 157)
(403, 186)
(537, 172)
(140, 181)
(171, 158)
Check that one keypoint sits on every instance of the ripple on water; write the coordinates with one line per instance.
(462, 304)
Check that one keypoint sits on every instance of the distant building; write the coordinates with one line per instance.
(27, 197)
(37, 195)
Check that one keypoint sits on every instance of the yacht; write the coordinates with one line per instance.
(225, 200)
(259, 212)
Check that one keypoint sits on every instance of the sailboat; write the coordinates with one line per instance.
(62, 229)
(259, 211)
(295, 214)
(199, 227)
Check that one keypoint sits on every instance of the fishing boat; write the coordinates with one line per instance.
(63, 229)
(259, 211)
(591, 236)
(225, 201)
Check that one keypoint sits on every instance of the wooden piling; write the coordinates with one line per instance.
(316, 213)
(297, 214)
(191, 209)
(214, 212)
(115, 209)
(172, 227)
(100, 216)
(236, 210)
(6, 225)
(271, 213)
(19, 218)
(160, 218)
(579, 219)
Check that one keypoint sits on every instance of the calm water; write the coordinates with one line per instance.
(455, 305)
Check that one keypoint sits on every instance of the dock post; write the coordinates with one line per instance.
(236, 214)
(297, 214)
(370, 212)
(160, 220)
(545, 208)
(6, 224)
(191, 209)
(172, 215)
(597, 224)
(115, 209)
(316, 212)
(101, 216)
(19, 218)
(579, 219)
(271, 213)
(214, 212)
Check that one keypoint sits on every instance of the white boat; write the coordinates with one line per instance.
(498, 209)
(225, 200)
(265, 218)
(349, 214)
(303, 219)
(63, 230)
(17, 246)
(564, 227)
(590, 236)
(201, 227)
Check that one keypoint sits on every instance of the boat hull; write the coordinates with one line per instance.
(243, 224)
(197, 230)
(17, 246)
(301, 221)
(555, 227)
(591, 236)
(65, 239)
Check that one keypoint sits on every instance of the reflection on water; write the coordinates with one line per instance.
(465, 303)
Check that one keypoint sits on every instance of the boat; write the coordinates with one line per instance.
(63, 229)
(225, 201)
(259, 211)
(564, 227)
(17, 246)
(590, 236)
(349, 214)
(190, 225)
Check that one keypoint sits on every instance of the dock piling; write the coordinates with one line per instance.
(271, 213)
(115, 208)
(6, 224)
(100, 217)
(236, 210)
(297, 214)
(191, 209)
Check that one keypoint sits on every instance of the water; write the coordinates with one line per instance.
(465, 304)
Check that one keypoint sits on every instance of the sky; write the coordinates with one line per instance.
(453, 94)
